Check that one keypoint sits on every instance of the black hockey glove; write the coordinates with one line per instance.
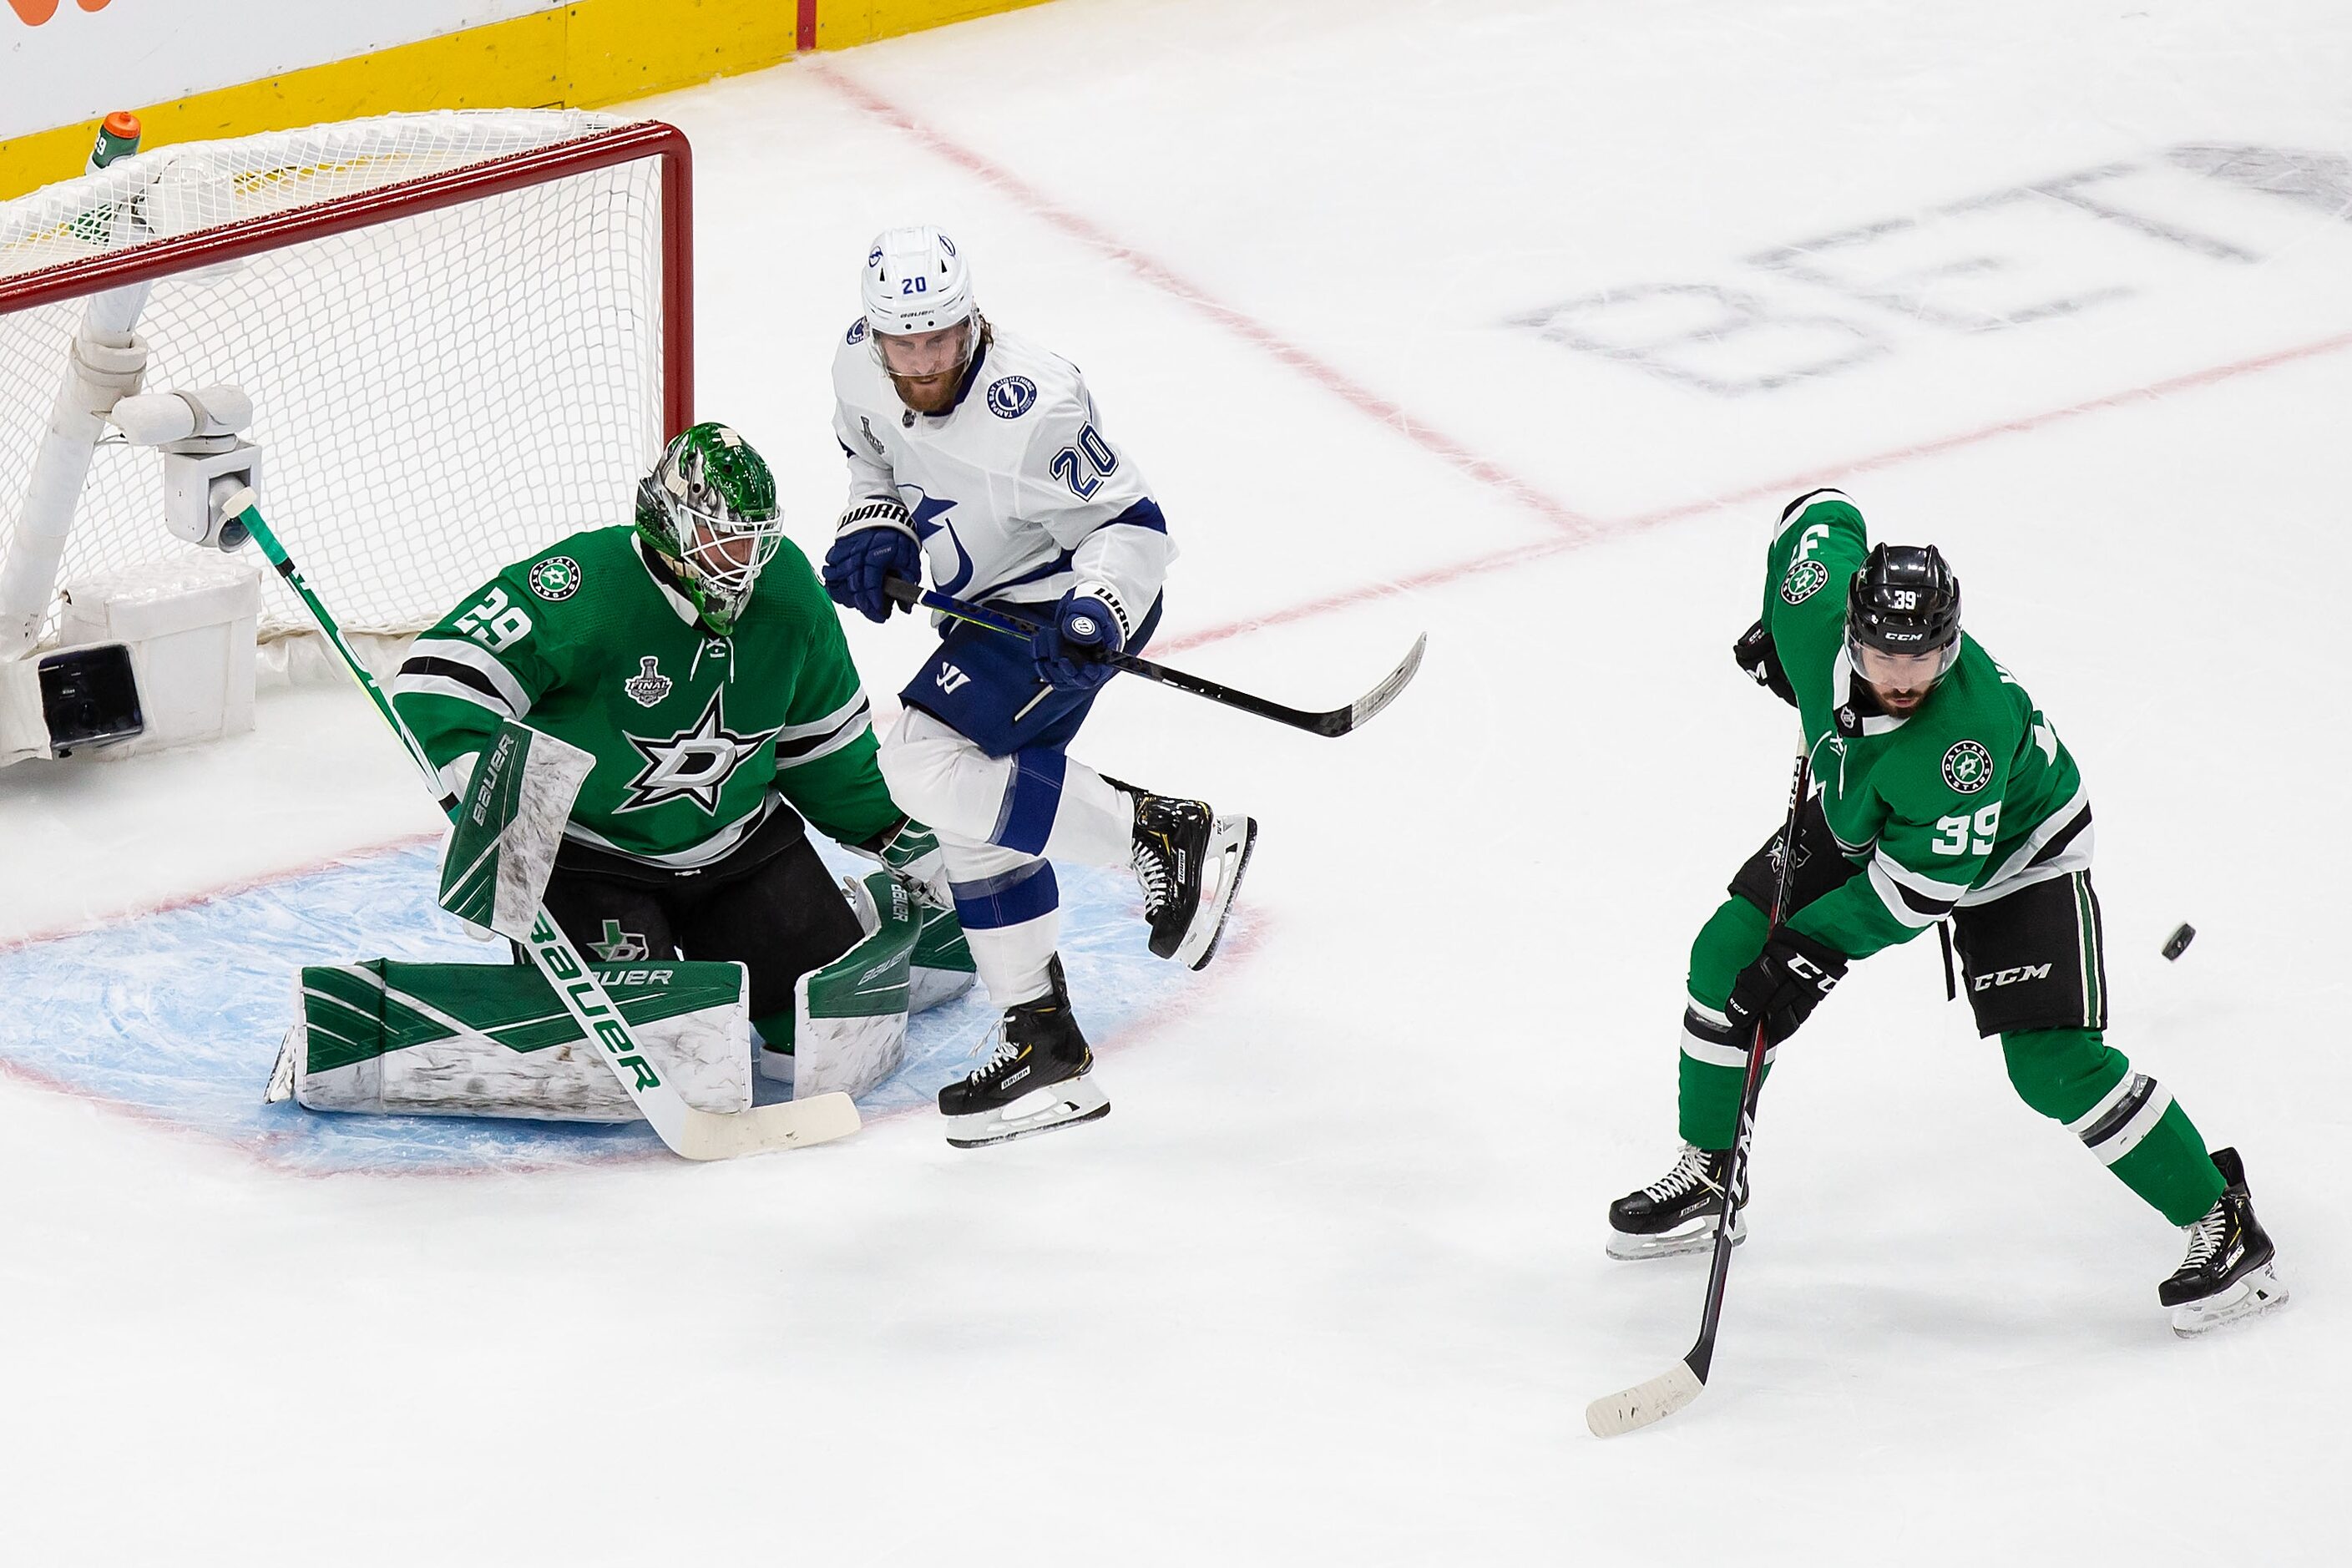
(1783, 986)
(1761, 660)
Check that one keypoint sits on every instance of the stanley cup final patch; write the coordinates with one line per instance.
(648, 686)
(1967, 767)
(1804, 580)
(556, 578)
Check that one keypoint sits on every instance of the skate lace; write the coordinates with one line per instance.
(1688, 1175)
(1003, 1055)
(1152, 873)
(2205, 1237)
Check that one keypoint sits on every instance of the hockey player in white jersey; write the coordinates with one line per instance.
(984, 457)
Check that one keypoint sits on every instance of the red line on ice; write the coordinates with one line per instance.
(1771, 489)
(1576, 529)
(1484, 470)
(263, 1151)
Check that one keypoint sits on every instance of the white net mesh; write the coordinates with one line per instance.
(435, 396)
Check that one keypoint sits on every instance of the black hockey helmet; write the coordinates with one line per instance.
(1904, 600)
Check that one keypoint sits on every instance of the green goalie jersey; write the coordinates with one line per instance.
(1969, 797)
(697, 739)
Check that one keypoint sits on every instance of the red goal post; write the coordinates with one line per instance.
(464, 335)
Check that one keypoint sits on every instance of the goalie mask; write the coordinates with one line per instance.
(708, 508)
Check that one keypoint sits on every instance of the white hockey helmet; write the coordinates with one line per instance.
(917, 282)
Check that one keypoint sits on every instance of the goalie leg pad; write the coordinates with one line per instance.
(849, 1023)
(941, 968)
(473, 1039)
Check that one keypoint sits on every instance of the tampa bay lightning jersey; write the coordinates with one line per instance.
(1016, 492)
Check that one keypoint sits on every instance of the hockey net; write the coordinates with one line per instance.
(464, 335)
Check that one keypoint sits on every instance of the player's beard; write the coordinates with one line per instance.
(1900, 704)
(929, 394)
(937, 393)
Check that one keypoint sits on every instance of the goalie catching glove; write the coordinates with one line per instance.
(911, 853)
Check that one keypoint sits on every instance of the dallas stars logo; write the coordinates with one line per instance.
(618, 946)
(1967, 767)
(693, 764)
(1803, 581)
(557, 578)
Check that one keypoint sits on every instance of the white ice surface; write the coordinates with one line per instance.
(1327, 1287)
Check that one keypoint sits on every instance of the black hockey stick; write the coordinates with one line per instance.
(1336, 721)
(1680, 1382)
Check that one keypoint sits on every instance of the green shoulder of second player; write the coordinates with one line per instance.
(696, 733)
(1970, 796)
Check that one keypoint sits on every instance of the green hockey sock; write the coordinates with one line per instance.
(2172, 1169)
(1714, 1067)
(2126, 1119)
(776, 1030)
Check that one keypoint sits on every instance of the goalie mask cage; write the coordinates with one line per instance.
(465, 334)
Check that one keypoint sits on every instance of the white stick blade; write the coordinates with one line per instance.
(1644, 1403)
(791, 1124)
(1363, 709)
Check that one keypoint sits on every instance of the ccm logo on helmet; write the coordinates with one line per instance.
(2012, 976)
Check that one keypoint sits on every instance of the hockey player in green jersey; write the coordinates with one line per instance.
(1944, 793)
(697, 661)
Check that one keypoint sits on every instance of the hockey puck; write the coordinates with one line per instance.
(2177, 943)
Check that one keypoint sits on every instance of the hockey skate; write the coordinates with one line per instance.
(1034, 1080)
(1680, 1211)
(2228, 1274)
(1189, 862)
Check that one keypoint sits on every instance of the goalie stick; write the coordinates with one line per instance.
(691, 1133)
(1332, 722)
(1662, 1395)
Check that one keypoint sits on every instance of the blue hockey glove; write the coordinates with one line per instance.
(874, 543)
(1068, 649)
(1783, 986)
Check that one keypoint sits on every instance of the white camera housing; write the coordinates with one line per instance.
(205, 460)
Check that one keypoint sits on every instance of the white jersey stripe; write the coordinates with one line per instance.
(441, 686)
(826, 725)
(459, 650)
